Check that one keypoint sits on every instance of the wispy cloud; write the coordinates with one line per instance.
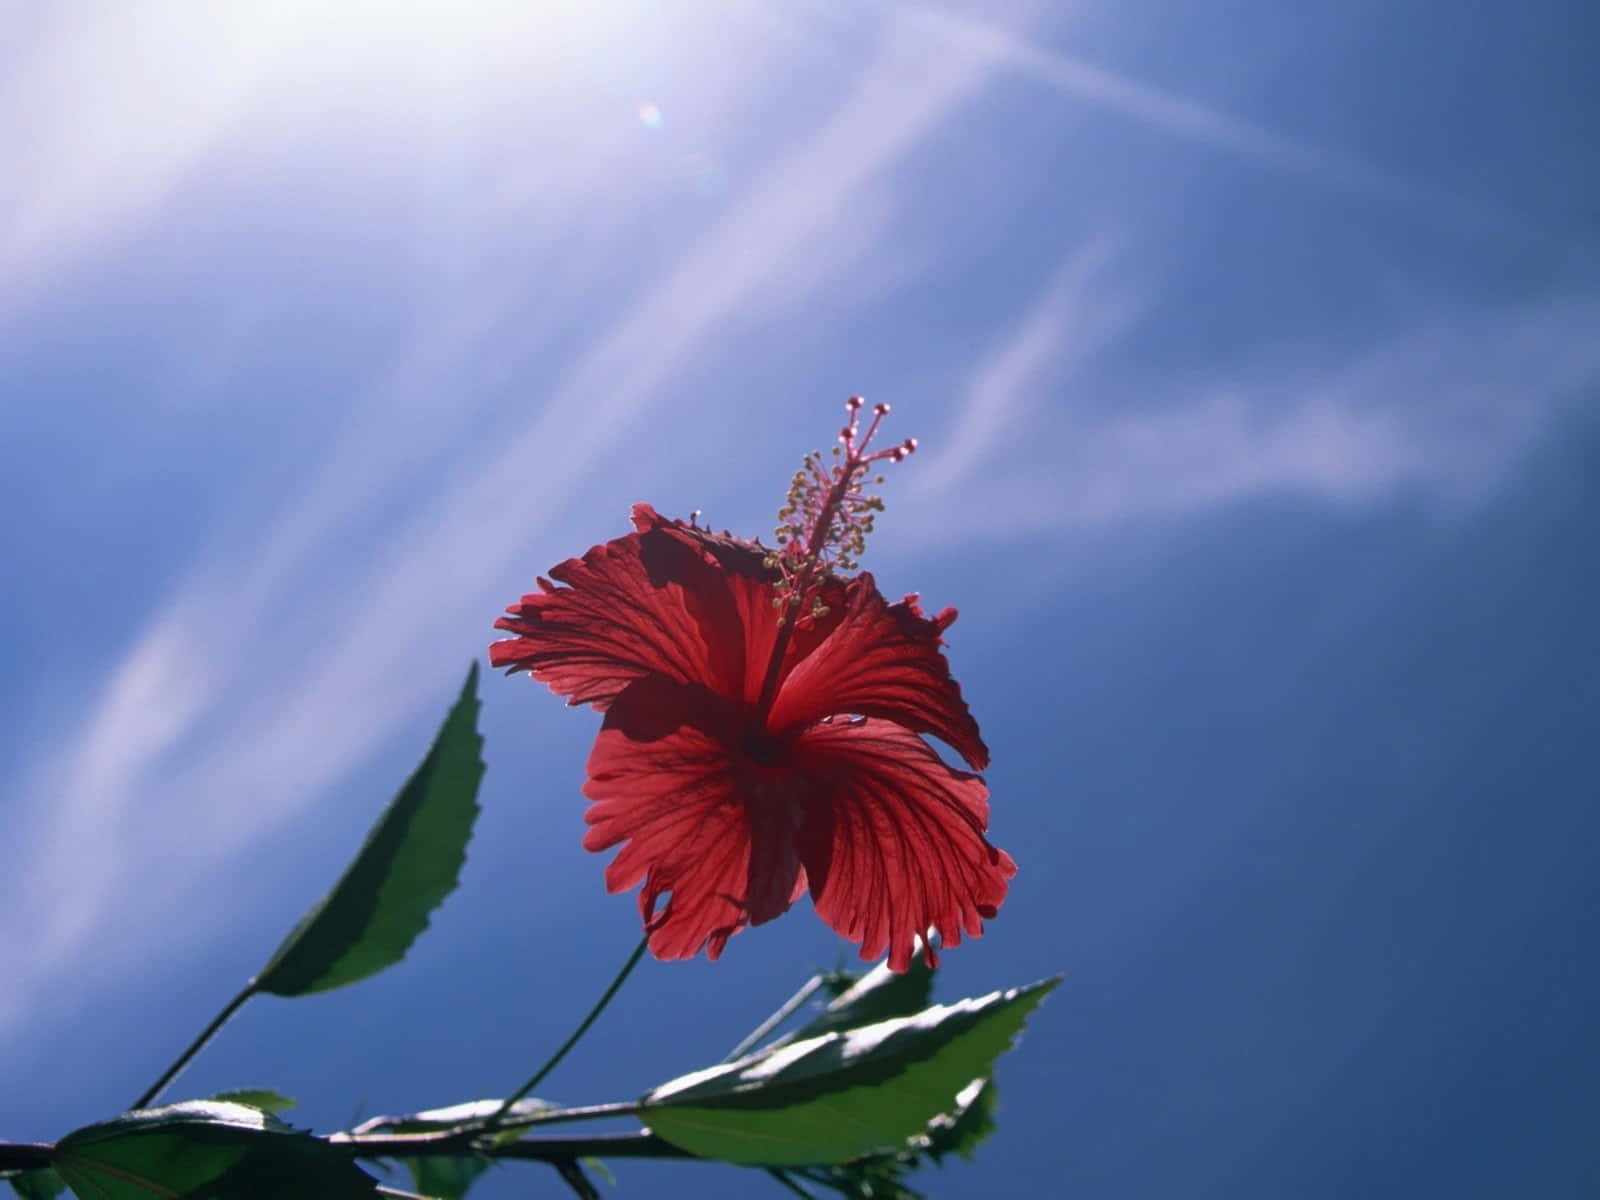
(259, 671)
(1443, 408)
(1203, 125)
(83, 161)
(107, 114)
(1083, 308)
(284, 700)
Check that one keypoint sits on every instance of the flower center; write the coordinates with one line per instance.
(763, 748)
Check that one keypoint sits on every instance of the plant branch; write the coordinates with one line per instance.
(555, 1149)
(206, 1034)
(583, 1027)
(601, 1145)
(783, 1178)
(786, 1011)
(26, 1156)
(474, 1138)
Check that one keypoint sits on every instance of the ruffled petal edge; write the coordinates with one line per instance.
(882, 660)
(668, 783)
(894, 845)
(667, 599)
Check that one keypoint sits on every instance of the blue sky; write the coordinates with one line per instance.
(1252, 349)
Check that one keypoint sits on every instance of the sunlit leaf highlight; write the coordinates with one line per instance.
(836, 1097)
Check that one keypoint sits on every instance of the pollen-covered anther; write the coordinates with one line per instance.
(827, 515)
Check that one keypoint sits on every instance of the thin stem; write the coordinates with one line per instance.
(206, 1034)
(769, 682)
(783, 1178)
(778, 1018)
(583, 1027)
(814, 545)
(791, 613)
(832, 1182)
(569, 1170)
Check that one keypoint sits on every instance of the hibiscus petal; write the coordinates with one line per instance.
(895, 845)
(699, 818)
(882, 660)
(666, 599)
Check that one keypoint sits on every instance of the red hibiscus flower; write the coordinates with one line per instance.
(763, 722)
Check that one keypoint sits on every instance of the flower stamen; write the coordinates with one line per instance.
(823, 527)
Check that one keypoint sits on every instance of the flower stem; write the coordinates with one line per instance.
(583, 1027)
(786, 1011)
(206, 1034)
(570, 1171)
(782, 1177)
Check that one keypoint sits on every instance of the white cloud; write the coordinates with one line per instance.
(84, 160)
(259, 675)
(1444, 407)
(1079, 312)
(108, 112)
(290, 664)
(1194, 122)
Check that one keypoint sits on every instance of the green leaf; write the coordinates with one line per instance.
(875, 996)
(406, 868)
(448, 1178)
(264, 1099)
(877, 1178)
(836, 1097)
(445, 1178)
(965, 1129)
(858, 999)
(41, 1184)
(883, 1176)
(205, 1149)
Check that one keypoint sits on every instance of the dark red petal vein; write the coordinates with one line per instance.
(666, 777)
(655, 601)
(882, 660)
(726, 588)
(893, 844)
